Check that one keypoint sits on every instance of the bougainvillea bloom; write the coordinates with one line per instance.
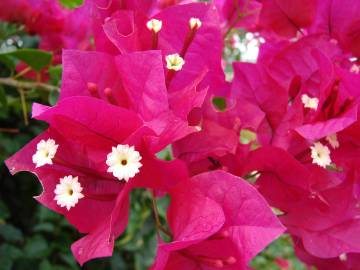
(153, 77)
(319, 205)
(217, 220)
(77, 183)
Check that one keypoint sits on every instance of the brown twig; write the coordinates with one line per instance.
(157, 217)
(28, 85)
(9, 130)
(23, 105)
(22, 73)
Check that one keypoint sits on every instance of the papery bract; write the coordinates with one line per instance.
(232, 225)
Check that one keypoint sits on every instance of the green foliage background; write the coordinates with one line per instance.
(33, 237)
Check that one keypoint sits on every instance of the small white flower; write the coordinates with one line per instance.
(333, 141)
(154, 25)
(45, 152)
(195, 23)
(343, 257)
(124, 162)
(68, 192)
(320, 154)
(311, 103)
(174, 62)
(355, 69)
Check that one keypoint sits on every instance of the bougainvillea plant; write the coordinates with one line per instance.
(155, 97)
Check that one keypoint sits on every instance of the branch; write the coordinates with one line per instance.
(157, 217)
(9, 130)
(28, 85)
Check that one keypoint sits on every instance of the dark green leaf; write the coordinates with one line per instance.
(8, 61)
(44, 227)
(10, 233)
(55, 74)
(37, 59)
(3, 99)
(4, 211)
(36, 247)
(45, 265)
(53, 97)
(8, 254)
(219, 103)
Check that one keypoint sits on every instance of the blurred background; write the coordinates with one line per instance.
(33, 237)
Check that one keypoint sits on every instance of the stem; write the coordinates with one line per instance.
(27, 85)
(157, 217)
(249, 176)
(240, 15)
(22, 73)
(23, 105)
(9, 130)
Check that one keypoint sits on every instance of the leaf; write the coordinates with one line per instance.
(8, 254)
(219, 103)
(44, 227)
(45, 265)
(4, 211)
(247, 136)
(10, 233)
(71, 3)
(7, 61)
(37, 59)
(3, 99)
(55, 73)
(36, 247)
(53, 97)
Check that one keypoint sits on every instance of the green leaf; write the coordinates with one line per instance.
(8, 61)
(55, 73)
(219, 103)
(36, 59)
(3, 99)
(45, 265)
(10, 251)
(53, 97)
(4, 211)
(8, 254)
(247, 136)
(10, 233)
(44, 227)
(71, 3)
(36, 247)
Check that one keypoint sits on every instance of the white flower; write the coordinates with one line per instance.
(45, 152)
(333, 141)
(343, 257)
(355, 69)
(320, 154)
(195, 23)
(123, 162)
(154, 25)
(309, 102)
(174, 62)
(68, 192)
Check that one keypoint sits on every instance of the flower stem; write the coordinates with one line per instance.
(27, 85)
(9, 130)
(157, 217)
(23, 105)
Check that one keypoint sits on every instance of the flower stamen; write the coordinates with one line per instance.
(174, 62)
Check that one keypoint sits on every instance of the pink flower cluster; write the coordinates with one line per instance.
(289, 121)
